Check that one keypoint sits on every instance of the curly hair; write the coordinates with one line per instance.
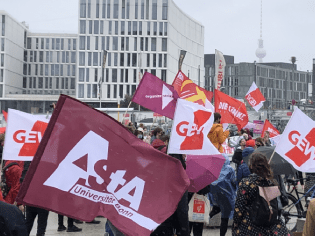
(156, 130)
(259, 165)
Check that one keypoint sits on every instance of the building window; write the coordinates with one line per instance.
(108, 9)
(154, 60)
(129, 27)
(160, 60)
(135, 76)
(122, 28)
(140, 28)
(154, 28)
(115, 43)
(123, 9)
(24, 82)
(53, 44)
(89, 9)
(134, 59)
(146, 44)
(42, 42)
(165, 60)
(154, 9)
(97, 8)
(161, 28)
(96, 26)
(96, 42)
(127, 44)
(128, 59)
(148, 27)
(103, 42)
(90, 27)
(40, 82)
(128, 9)
(83, 8)
(81, 58)
(72, 83)
(107, 75)
(164, 45)
(116, 27)
(82, 43)
(114, 75)
(121, 91)
(46, 82)
(142, 9)
(73, 57)
(82, 26)
(95, 59)
(88, 91)
(57, 44)
(115, 13)
(69, 44)
(108, 91)
(148, 60)
(34, 82)
(153, 44)
(101, 27)
(74, 46)
(126, 75)
(147, 9)
(87, 75)
(29, 43)
(94, 90)
(81, 91)
(109, 27)
(136, 9)
(88, 42)
(122, 59)
(47, 44)
(165, 28)
(115, 59)
(103, 9)
(164, 9)
(153, 72)
(141, 43)
(57, 69)
(135, 44)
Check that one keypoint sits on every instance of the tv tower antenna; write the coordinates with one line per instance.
(260, 52)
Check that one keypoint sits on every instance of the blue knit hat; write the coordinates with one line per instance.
(247, 151)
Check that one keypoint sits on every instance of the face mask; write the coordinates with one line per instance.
(140, 136)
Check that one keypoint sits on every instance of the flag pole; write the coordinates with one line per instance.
(273, 153)
(126, 112)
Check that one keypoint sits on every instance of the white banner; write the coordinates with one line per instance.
(23, 134)
(297, 143)
(191, 125)
(219, 68)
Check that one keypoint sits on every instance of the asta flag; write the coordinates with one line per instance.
(88, 164)
(219, 68)
(297, 143)
(156, 95)
(254, 97)
(270, 128)
(190, 91)
(191, 125)
(23, 134)
(232, 110)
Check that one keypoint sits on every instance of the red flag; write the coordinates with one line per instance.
(232, 110)
(88, 164)
(254, 97)
(190, 91)
(269, 127)
(156, 95)
(5, 115)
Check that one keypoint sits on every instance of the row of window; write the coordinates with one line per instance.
(49, 69)
(123, 59)
(52, 43)
(46, 92)
(122, 43)
(121, 9)
(50, 56)
(133, 27)
(48, 83)
(272, 83)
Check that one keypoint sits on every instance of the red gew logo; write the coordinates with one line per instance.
(304, 147)
(199, 206)
(30, 139)
(193, 132)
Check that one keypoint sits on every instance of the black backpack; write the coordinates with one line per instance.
(263, 214)
(4, 187)
(237, 156)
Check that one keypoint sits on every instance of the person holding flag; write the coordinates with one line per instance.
(216, 134)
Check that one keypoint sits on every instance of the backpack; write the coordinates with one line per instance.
(265, 212)
(4, 187)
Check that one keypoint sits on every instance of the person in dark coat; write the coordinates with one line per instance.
(243, 169)
(12, 221)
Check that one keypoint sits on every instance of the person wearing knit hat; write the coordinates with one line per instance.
(250, 143)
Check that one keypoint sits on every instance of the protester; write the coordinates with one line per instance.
(248, 133)
(161, 144)
(12, 172)
(246, 194)
(267, 140)
(243, 170)
(12, 222)
(32, 212)
(245, 135)
(235, 142)
(309, 225)
(139, 133)
(222, 195)
(216, 134)
(156, 133)
(237, 156)
(259, 142)
(71, 226)
(250, 143)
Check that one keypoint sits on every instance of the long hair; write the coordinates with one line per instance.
(259, 165)
(156, 130)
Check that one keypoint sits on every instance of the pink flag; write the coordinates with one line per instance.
(254, 97)
(156, 95)
(88, 164)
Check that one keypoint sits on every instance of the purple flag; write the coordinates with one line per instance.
(156, 95)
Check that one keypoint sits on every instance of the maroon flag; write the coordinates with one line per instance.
(88, 164)
(156, 95)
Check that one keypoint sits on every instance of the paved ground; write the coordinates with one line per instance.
(98, 230)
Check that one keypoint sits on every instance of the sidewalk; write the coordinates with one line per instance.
(97, 230)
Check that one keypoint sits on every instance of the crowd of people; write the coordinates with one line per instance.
(232, 195)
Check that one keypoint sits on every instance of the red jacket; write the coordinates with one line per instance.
(13, 175)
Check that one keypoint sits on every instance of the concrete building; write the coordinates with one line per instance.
(139, 36)
(279, 82)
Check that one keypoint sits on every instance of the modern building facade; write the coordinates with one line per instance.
(139, 36)
(280, 83)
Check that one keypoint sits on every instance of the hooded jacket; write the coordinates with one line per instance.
(217, 136)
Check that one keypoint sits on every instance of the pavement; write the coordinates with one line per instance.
(98, 229)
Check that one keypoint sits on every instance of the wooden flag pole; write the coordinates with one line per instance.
(126, 112)
(273, 153)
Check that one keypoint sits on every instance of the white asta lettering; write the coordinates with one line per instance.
(96, 148)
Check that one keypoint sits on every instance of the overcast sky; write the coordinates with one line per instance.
(231, 26)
